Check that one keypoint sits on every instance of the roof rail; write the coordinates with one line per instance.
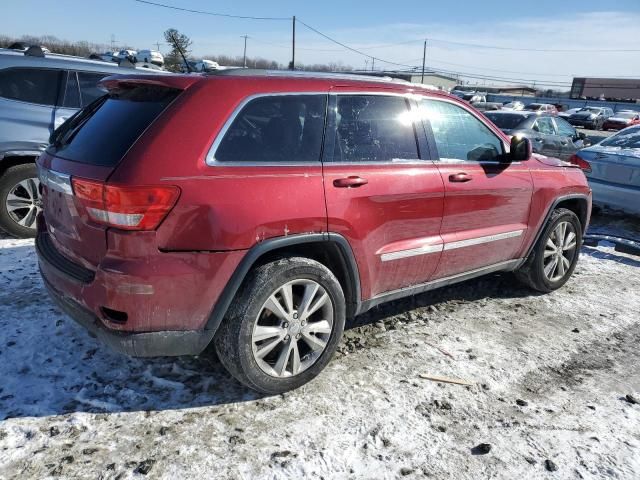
(251, 72)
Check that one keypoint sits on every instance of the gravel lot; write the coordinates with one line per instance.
(549, 377)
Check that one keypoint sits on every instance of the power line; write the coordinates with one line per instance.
(202, 12)
(359, 52)
(545, 50)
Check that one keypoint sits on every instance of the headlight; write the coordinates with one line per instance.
(592, 116)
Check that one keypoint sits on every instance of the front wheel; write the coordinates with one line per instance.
(284, 325)
(555, 255)
(20, 200)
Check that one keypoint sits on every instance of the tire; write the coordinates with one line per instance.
(238, 341)
(10, 183)
(533, 274)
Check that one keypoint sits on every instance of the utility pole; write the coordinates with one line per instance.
(373, 63)
(244, 55)
(424, 58)
(113, 41)
(157, 44)
(293, 46)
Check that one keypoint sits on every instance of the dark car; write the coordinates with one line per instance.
(591, 117)
(260, 210)
(551, 136)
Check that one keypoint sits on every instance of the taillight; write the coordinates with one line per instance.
(125, 207)
(583, 164)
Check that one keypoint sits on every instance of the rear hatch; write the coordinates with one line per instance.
(82, 155)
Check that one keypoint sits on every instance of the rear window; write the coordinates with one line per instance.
(629, 138)
(102, 132)
(505, 121)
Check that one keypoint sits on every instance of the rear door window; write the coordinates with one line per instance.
(545, 126)
(275, 128)
(103, 132)
(373, 128)
(32, 85)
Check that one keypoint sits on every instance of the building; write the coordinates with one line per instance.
(606, 88)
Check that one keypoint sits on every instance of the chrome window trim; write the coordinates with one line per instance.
(440, 247)
(210, 158)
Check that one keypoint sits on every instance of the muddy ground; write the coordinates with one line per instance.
(552, 381)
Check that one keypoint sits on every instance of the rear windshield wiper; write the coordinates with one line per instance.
(65, 132)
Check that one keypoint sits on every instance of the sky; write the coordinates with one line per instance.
(382, 29)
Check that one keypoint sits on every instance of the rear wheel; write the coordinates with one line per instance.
(284, 325)
(555, 255)
(20, 200)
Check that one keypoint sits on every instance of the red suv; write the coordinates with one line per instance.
(258, 211)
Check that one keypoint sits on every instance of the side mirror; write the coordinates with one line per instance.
(520, 149)
(581, 135)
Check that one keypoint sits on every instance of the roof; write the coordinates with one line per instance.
(56, 60)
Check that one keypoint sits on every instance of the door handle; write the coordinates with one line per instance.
(350, 182)
(460, 177)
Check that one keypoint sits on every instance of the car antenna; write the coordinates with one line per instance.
(177, 47)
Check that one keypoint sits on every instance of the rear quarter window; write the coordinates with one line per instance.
(103, 132)
(275, 128)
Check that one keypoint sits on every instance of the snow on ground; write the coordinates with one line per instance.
(549, 377)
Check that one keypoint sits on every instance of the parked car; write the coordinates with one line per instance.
(515, 105)
(404, 190)
(38, 93)
(107, 56)
(124, 55)
(542, 108)
(149, 56)
(591, 117)
(549, 135)
(567, 113)
(621, 120)
(614, 170)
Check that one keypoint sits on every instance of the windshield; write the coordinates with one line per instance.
(590, 109)
(625, 115)
(629, 138)
(468, 96)
(505, 121)
(533, 106)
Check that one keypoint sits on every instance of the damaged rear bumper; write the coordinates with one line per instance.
(137, 344)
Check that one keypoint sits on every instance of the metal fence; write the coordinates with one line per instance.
(567, 102)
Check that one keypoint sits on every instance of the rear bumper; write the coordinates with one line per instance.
(164, 299)
(614, 196)
(147, 344)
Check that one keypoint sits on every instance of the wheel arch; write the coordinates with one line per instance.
(9, 160)
(578, 203)
(330, 249)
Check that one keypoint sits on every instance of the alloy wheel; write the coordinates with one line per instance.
(23, 202)
(560, 251)
(292, 328)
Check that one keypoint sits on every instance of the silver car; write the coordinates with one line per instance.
(615, 170)
(38, 92)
